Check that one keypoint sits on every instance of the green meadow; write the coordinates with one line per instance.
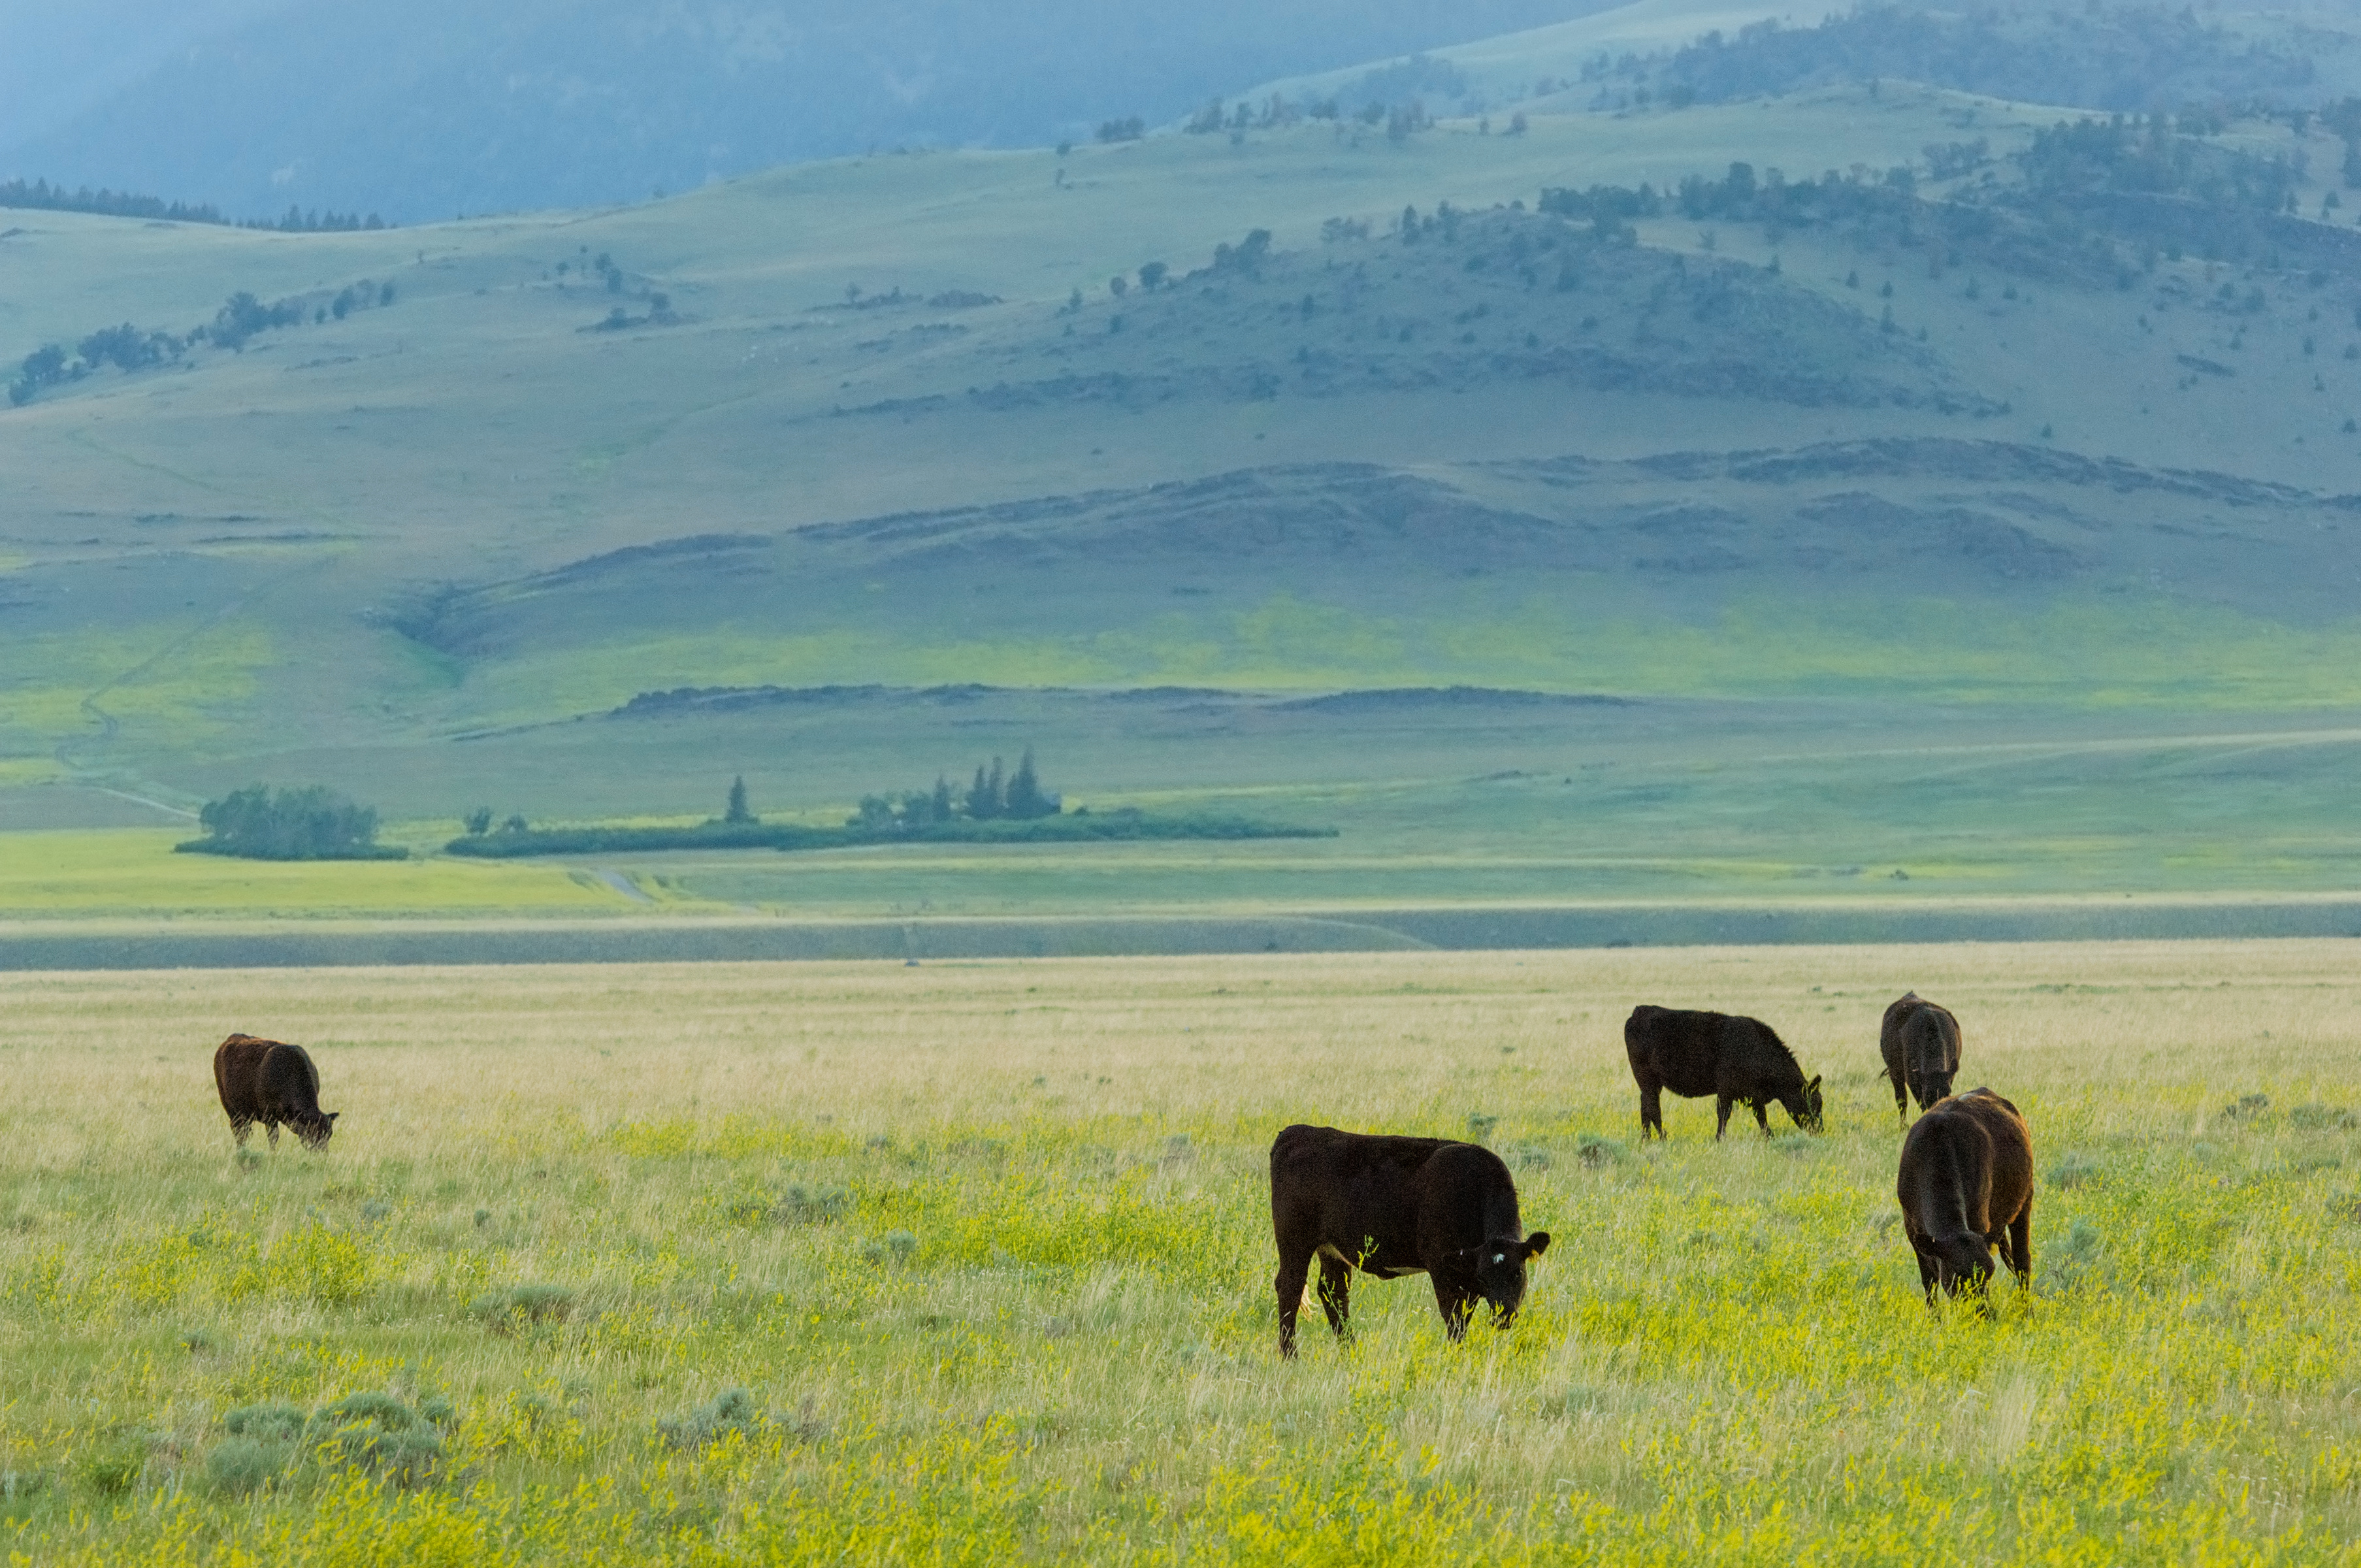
(726, 1264)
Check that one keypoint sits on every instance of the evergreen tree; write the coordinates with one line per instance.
(1025, 796)
(996, 789)
(979, 797)
(737, 811)
(942, 801)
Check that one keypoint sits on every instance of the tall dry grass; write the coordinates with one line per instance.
(971, 1261)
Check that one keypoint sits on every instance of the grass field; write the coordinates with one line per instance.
(1435, 804)
(968, 1262)
(67, 874)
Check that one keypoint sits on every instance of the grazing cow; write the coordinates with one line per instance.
(1920, 1042)
(1966, 1187)
(1393, 1206)
(1736, 1060)
(271, 1082)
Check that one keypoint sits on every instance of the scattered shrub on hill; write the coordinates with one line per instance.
(244, 1465)
(2121, 58)
(314, 824)
(130, 348)
(1130, 129)
(733, 1410)
(377, 1433)
(503, 1312)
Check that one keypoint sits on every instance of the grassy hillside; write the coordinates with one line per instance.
(2006, 434)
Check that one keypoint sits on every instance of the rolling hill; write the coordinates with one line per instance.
(1860, 404)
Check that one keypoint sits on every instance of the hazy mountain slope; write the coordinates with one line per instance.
(364, 535)
(57, 61)
(424, 110)
(2117, 56)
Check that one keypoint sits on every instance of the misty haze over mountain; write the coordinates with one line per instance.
(423, 110)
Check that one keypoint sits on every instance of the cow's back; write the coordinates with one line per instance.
(2011, 1140)
(1679, 1049)
(1930, 1040)
(1889, 1028)
(1465, 1194)
(1331, 1188)
(237, 1074)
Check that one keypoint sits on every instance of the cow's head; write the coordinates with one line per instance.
(1930, 1082)
(1804, 1105)
(1499, 1266)
(314, 1126)
(1962, 1262)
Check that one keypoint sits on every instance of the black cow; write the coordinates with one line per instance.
(1966, 1187)
(270, 1081)
(1392, 1206)
(1920, 1043)
(1737, 1060)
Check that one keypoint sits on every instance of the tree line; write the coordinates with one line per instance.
(993, 796)
(2118, 58)
(241, 317)
(40, 195)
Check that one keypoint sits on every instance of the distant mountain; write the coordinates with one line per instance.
(57, 61)
(2118, 55)
(443, 106)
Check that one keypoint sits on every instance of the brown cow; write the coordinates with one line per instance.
(1739, 1062)
(1390, 1206)
(270, 1081)
(1966, 1187)
(1920, 1043)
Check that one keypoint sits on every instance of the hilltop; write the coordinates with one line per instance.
(1756, 402)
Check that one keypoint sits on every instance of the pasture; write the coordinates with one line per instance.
(972, 1263)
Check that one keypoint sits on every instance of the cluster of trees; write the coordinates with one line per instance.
(2151, 157)
(2121, 58)
(2102, 199)
(1128, 129)
(1400, 119)
(994, 795)
(40, 195)
(311, 824)
(128, 347)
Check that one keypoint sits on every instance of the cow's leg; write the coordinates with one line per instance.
(1336, 1292)
(1929, 1275)
(1722, 1105)
(239, 1126)
(272, 1127)
(1292, 1273)
(1456, 1306)
(1762, 1116)
(2020, 1247)
(1901, 1104)
(1651, 1109)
